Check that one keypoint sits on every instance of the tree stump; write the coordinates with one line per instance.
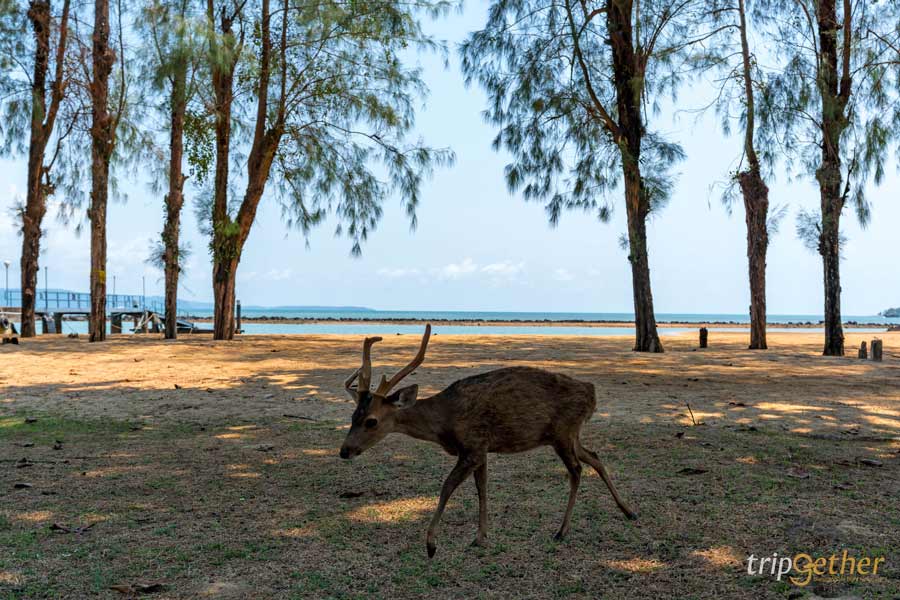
(863, 352)
(704, 337)
(876, 350)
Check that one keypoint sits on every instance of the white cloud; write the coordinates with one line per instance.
(505, 268)
(496, 272)
(563, 275)
(279, 274)
(398, 273)
(458, 270)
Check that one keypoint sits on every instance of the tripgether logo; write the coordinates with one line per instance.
(802, 567)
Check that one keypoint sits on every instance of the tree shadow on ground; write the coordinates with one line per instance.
(216, 493)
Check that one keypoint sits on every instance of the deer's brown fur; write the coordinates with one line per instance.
(507, 410)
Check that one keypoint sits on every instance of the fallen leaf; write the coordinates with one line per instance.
(138, 588)
(350, 494)
(797, 473)
(692, 471)
(22, 486)
(30, 419)
(736, 404)
(65, 529)
(679, 434)
(871, 462)
(298, 417)
(177, 387)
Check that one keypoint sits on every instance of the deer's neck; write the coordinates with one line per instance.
(422, 421)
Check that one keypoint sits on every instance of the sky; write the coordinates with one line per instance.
(478, 247)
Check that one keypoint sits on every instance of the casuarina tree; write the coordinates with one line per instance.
(742, 100)
(329, 106)
(38, 108)
(114, 138)
(172, 29)
(837, 107)
(570, 84)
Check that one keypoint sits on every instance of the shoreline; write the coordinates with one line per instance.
(527, 322)
(600, 323)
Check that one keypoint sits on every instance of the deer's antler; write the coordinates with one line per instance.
(387, 385)
(365, 371)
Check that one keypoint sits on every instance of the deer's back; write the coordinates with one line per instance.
(515, 409)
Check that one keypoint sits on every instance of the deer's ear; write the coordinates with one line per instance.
(404, 397)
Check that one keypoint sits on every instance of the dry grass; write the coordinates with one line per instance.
(212, 491)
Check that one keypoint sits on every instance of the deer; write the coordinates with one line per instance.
(504, 411)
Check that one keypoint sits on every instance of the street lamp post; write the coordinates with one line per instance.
(6, 264)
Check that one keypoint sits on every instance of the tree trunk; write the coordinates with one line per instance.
(230, 235)
(224, 274)
(756, 199)
(31, 242)
(646, 337)
(829, 247)
(35, 202)
(223, 248)
(835, 93)
(102, 131)
(628, 82)
(756, 208)
(174, 199)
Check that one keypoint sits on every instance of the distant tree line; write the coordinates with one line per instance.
(311, 103)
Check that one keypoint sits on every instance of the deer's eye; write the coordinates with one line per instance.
(371, 423)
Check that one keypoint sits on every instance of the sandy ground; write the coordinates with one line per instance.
(208, 470)
(199, 380)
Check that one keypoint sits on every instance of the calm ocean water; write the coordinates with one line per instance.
(729, 322)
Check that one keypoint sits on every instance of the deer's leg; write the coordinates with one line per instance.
(481, 484)
(464, 467)
(592, 459)
(567, 453)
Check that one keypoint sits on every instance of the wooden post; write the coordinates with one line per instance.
(57, 320)
(237, 309)
(863, 352)
(704, 337)
(876, 350)
(116, 324)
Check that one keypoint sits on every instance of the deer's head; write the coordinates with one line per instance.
(376, 411)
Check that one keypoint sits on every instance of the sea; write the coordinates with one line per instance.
(359, 322)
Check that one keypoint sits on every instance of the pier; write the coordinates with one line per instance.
(55, 306)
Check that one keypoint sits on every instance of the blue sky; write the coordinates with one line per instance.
(477, 247)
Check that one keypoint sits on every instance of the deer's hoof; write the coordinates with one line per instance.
(631, 515)
(560, 536)
(431, 549)
(479, 542)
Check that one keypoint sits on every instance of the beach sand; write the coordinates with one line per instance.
(211, 469)
(132, 377)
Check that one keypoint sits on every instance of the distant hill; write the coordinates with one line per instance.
(189, 305)
(313, 308)
(891, 312)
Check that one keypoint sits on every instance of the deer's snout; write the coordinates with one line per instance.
(347, 453)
